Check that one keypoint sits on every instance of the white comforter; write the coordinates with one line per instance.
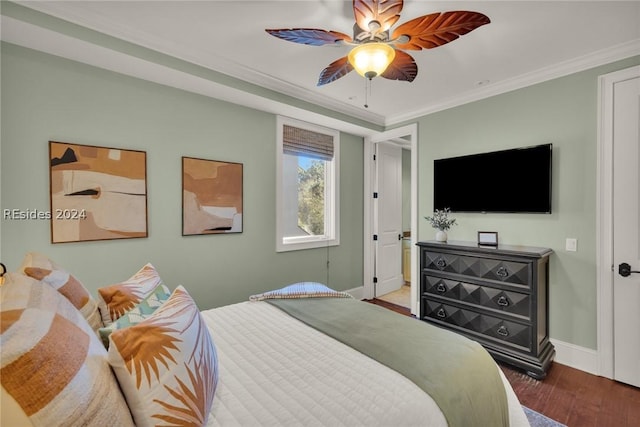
(276, 371)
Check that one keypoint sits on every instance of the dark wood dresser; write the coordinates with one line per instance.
(496, 296)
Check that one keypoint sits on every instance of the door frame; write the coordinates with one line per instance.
(408, 133)
(604, 218)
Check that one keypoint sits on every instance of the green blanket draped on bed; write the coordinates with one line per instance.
(456, 372)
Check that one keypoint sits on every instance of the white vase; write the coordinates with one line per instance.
(441, 236)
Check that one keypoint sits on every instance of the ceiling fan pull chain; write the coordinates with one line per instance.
(366, 92)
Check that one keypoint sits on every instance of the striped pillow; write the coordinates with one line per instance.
(138, 313)
(115, 300)
(52, 363)
(167, 365)
(40, 267)
(301, 290)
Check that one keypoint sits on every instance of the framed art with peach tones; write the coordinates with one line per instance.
(96, 193)
(211, 197)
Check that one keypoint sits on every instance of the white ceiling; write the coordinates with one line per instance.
(526, 42)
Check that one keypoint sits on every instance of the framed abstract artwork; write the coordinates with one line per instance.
(96, 193)
(211, 197)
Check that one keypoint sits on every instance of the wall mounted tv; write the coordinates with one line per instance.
(509, 181)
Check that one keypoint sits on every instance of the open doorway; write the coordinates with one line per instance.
(406, 138)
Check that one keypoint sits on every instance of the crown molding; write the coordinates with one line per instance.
(237, 89)
(595, 59)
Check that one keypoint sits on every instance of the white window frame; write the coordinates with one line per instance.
(331, 236)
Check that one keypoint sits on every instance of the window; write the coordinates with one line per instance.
(307, 186)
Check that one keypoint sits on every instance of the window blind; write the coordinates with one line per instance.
(303, 142)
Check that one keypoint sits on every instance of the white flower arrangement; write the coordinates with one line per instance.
(440, 219)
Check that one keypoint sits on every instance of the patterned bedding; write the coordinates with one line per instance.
(275, 370)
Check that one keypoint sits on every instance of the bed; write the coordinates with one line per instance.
(282, 359)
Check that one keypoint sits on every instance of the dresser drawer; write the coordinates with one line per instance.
(489, 327)
(440, 262)
(485, 297)
(498, 270)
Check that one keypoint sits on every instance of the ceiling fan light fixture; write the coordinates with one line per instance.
(371, 59)
(378, 50)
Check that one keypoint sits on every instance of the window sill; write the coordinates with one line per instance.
(306, 244)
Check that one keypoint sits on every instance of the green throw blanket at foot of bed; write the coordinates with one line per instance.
(456, 372)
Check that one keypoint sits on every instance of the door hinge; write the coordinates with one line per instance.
(375, 280)
(374, 157)
(375, 195)
(375, 237)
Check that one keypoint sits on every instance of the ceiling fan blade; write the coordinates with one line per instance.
(385, 12)
(334, 71)
(436, 29)
(403, 67)
(310, 36)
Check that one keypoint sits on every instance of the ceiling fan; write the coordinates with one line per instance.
(376, 50)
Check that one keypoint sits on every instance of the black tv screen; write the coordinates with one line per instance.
(510, 181)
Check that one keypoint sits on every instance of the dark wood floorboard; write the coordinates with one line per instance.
(568, 395)
(391, 306)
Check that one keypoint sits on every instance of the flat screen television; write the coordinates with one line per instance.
(509, 181)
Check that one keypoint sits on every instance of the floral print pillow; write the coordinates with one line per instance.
(138, 313)
(167, 364)
(115, 300)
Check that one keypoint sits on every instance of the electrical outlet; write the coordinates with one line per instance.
(571, 244)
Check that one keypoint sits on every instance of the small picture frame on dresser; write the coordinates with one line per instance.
(488, 238)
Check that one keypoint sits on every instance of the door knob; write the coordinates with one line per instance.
(624, 270)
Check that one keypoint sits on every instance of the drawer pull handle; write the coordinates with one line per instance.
(503, 301)
(441, 263)
(440, 288)
(503, 331)
(441, 313)
(502, 272)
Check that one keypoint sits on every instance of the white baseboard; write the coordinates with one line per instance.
(582, 358)
(357, 293)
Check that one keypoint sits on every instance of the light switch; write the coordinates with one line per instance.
(571, 244)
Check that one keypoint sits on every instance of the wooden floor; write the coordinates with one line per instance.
(576, 398)
(568, 395)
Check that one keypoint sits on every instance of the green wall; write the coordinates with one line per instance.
(563, 112)
(48, 98)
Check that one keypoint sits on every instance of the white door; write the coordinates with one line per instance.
(388, 256)
(626, 230)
